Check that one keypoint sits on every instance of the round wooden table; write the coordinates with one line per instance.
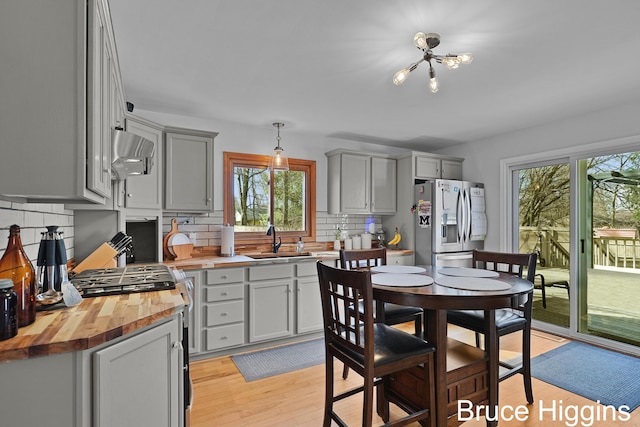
(436, 300)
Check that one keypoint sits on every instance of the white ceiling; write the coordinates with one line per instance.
(325, 66)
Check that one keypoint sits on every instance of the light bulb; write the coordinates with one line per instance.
(420, 40)
(452, 62)
(433, 85)
(465, 58)
(401, 76)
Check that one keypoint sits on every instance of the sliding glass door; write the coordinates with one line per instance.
(543, 193)
(581, 215)
(609, 218)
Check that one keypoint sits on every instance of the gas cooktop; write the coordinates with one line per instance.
(124, 280)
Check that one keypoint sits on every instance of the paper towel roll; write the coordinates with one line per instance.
(226, 247)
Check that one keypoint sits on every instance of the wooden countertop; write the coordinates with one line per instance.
(212, 261)
(92, 322)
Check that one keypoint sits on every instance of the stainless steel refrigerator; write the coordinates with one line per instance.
(450, 222)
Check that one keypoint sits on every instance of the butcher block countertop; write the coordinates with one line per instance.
(242, 260)
(92, 322)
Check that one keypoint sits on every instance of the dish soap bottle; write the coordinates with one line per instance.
(15, 265)
(300, 245)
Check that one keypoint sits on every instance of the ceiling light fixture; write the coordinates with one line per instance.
(426, 42)
(278, 160)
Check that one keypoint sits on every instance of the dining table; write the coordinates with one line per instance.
(438, 290)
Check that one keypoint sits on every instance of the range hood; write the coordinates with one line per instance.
(132, 154)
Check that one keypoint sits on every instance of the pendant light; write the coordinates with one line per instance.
(278, 160)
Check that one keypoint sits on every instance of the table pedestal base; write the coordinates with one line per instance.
(467, 373)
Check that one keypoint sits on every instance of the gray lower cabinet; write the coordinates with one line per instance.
(133, 380)
(270, 302)
(223, 308)
(308, 304)
(138, 381)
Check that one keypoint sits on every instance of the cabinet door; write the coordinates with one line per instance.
(383, 185)
(451, 169)
(138, 380)
(308, 306)
(145, 191)
(427, 167)
(354, 183)
(189, 172)
(99, 133)
(270, 310)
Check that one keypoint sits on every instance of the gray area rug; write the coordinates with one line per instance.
(279, 360)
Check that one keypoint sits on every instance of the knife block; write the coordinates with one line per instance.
(103, 257)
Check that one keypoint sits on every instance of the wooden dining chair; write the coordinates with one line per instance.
(394, 314)
(374, 350)
(507, 320)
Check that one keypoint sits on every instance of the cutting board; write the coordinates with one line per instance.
(165, 242)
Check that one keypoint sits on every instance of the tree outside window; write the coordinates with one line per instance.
(256, 196)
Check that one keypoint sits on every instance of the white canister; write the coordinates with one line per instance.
(348, 244)
(357, 242)
(366, 241)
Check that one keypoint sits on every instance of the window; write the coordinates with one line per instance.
(256, 196)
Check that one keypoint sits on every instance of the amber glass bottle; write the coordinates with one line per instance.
(15, 265)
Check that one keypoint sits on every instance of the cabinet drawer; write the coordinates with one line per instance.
(224, 293)
(225, 312)
(225, 275)
(307, 269)
(225, 336)
(266, 272)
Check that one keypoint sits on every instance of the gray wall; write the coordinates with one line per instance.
(482, 158)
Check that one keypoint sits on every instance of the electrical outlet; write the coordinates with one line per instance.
(185, 220)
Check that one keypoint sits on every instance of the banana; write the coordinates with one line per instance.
(396, 238)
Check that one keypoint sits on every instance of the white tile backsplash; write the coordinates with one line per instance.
(32, 219)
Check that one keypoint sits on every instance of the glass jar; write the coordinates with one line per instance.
(15, 265)
(8, 310)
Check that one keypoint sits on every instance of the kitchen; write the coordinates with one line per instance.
(613, 125)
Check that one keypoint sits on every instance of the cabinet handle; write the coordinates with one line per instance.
(223, 314)
(224, 294)
(177, 344)
(129, 195)
(224, 276)
(223, 338)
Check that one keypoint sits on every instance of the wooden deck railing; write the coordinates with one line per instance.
(611, 248)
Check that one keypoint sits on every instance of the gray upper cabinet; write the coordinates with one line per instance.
(431, 166)
(188, 170)
(145, 191)
(61, 93)
(360, 183)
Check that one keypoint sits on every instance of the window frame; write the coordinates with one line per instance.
(233, 160)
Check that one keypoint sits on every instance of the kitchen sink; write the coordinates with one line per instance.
(271, 255)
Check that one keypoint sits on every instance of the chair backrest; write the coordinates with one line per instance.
(344, 328)
(362, 258)
(506, 262)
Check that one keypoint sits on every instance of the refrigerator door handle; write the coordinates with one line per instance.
(459, 217)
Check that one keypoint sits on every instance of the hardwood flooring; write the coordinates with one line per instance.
(222, 398)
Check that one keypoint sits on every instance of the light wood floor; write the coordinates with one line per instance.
(222, 398)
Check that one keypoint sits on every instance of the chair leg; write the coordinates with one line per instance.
(526, 363)
(345, 372)
(418, 325)
(328, 396)
(544, 298)
(367, 406)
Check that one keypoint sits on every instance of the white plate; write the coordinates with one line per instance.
(472, 283)
(401, 279)
(467, 272)
(397, 269)
(177, 239)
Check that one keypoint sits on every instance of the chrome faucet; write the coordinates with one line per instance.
(272, 231)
